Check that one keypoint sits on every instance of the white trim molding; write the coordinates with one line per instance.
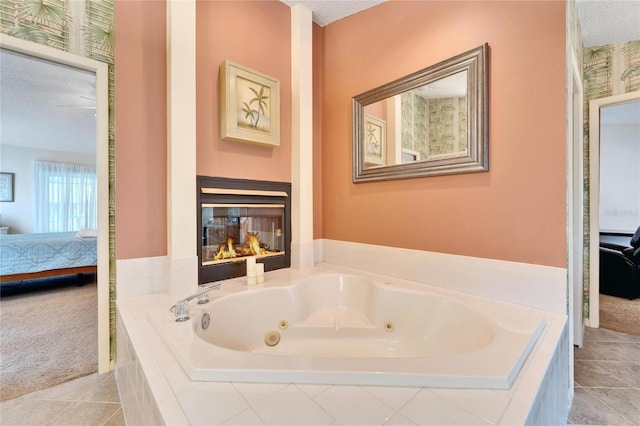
(181, 144)
(301, 137)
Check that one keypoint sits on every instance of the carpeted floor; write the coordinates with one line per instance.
(48, 333)
(620, 314)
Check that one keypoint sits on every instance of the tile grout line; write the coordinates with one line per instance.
(313, 399)
(396, 411)
(615, 376)
(609, 407)
(61, 412)
(113, 415)
(609, 363)
(469, 412)
(609, 367)
(386, 422)
(249, 405)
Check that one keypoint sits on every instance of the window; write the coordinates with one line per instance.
(65, 197)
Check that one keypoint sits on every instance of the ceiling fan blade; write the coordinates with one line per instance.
(75, 106)
(80, 106)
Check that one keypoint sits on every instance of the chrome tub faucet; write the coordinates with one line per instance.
(181, 308)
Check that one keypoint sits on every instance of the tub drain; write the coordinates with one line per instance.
(272, 338)
(388, 326)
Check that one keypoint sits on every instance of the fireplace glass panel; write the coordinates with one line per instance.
(231, 232)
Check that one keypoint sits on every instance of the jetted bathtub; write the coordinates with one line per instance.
(349, 329)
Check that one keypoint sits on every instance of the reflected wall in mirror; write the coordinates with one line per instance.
(431, 122)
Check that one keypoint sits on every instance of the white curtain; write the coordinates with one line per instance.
(65, 197)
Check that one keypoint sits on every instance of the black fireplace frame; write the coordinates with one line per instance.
(223, 271)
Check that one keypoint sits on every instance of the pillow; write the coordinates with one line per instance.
(87, 233)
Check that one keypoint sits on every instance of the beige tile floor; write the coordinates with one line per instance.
(607, 392)
(607, 376)
(89, 400)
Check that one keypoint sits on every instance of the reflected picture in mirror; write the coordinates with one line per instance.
(431, 122)
(375, 140)
(428, 122)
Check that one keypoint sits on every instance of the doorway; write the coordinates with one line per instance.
(595, 108)
(102, 171)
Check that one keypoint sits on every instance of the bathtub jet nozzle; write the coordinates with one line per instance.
(272, 338)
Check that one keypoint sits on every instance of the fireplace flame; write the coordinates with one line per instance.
(251, 247)
(226, 251)
(254, 243)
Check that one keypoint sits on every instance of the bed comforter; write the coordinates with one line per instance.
(24, 253)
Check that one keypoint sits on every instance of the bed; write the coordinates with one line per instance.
(28, 256)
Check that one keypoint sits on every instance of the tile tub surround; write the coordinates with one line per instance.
(537, 286)
(152, 382)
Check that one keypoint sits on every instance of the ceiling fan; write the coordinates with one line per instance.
(81, 106)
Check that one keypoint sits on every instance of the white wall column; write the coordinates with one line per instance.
(301, 137)
(181, 145)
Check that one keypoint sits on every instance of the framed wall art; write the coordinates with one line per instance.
(249, 105)
(375, 131)
(6, 187)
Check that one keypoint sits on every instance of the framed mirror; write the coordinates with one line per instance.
(431, 122)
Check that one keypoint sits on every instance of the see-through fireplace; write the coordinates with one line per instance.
(240, 218)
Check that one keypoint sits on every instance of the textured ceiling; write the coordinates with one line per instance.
(609, 21)
(326, 11)
(46, 105)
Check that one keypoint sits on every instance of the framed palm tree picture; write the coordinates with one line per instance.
(249, 105)
(375, 135)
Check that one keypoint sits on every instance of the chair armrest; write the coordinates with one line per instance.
(633, 254)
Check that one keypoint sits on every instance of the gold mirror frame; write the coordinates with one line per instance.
(476, 159)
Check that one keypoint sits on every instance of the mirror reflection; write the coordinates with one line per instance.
(428, 122)
(431, 122)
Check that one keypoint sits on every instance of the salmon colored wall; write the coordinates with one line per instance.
(317, 130)
(256, 34)
(140, 130)
(514, 212)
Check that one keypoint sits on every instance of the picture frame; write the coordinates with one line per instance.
(249, 105)
(375, 133)
(6, 187)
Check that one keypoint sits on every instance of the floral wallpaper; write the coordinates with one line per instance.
(608, 70)
(420, 126)
(574, 33)
(447, 125)
(574, 55)
(433, 126)
(85, 28)
(407, 124)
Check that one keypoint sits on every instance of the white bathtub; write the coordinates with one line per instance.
(347, 329)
